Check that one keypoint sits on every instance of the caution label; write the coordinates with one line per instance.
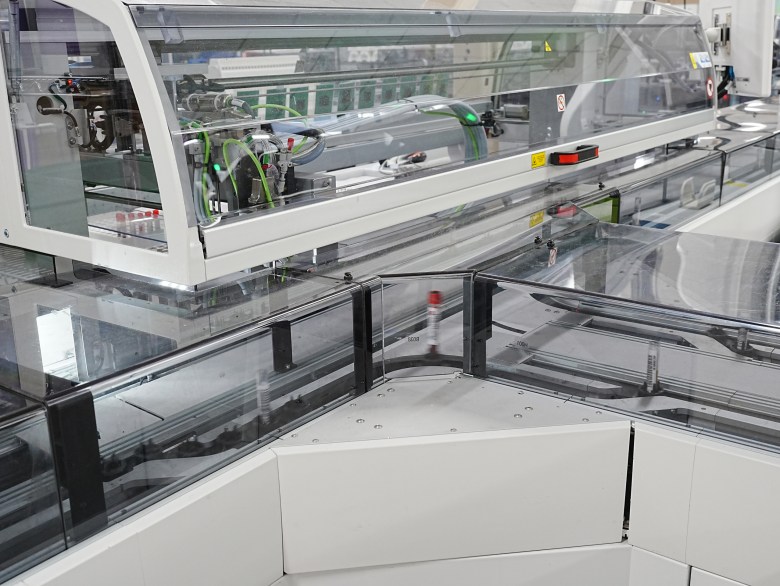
(701, 60)
(561, 99)
(547, 47)
(537, 219)
(538, 160)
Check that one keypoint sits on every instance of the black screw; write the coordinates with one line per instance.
(538, 241)
(550, 244)
(348, 277)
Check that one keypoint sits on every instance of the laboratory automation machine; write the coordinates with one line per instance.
(185, 142)
(385, 292)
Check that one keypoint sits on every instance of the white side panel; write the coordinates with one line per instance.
(735, 514)
(117, 562)
(418, 499)
(752, 34)
(754, 216)
(230, 530)
(649, 569)
(660, 490)
(223, 530)
(699, 578)
(605, 565)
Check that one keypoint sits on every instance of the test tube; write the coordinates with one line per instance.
(434, 319)
(263, 396)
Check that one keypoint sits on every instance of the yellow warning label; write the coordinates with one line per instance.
(537, 219)
(547, 47)
(693, 61)
(538, 160)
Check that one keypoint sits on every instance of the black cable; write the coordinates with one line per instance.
(57, 96)
(508, 328)
(107, 130)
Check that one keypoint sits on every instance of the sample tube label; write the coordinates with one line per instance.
(653, 353)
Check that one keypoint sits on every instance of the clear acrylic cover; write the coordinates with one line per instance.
(288, 106)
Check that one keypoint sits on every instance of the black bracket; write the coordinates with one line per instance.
(362, 321)
(477, 324)
(74, 437)
(281, 342)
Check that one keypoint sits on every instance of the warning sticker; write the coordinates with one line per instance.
(701, 60)
(561, 102)
(710, 88)
(538, 160)
(537, 219)
(547, 47)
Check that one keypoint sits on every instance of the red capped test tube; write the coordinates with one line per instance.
(434, 319)
(121, 224)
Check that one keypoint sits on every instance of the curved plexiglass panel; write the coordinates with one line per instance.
(286, 106)
(85, 158)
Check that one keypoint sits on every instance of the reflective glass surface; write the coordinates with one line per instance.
(663, 268)
(86, 163)
(85, 326)
(145, 389)
(30, 523)
(703, 372)
(419, 333)
(675, 198)
(164, 426)
(679, 328)
(285, 106)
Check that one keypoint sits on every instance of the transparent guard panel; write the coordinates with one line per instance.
(286, 106)
(181, 418)
(30, 522)
(686, 271)
(699, 371)
(86, 163)
(422, 324)
(677, 198)
(95, 325)
(749, 166)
